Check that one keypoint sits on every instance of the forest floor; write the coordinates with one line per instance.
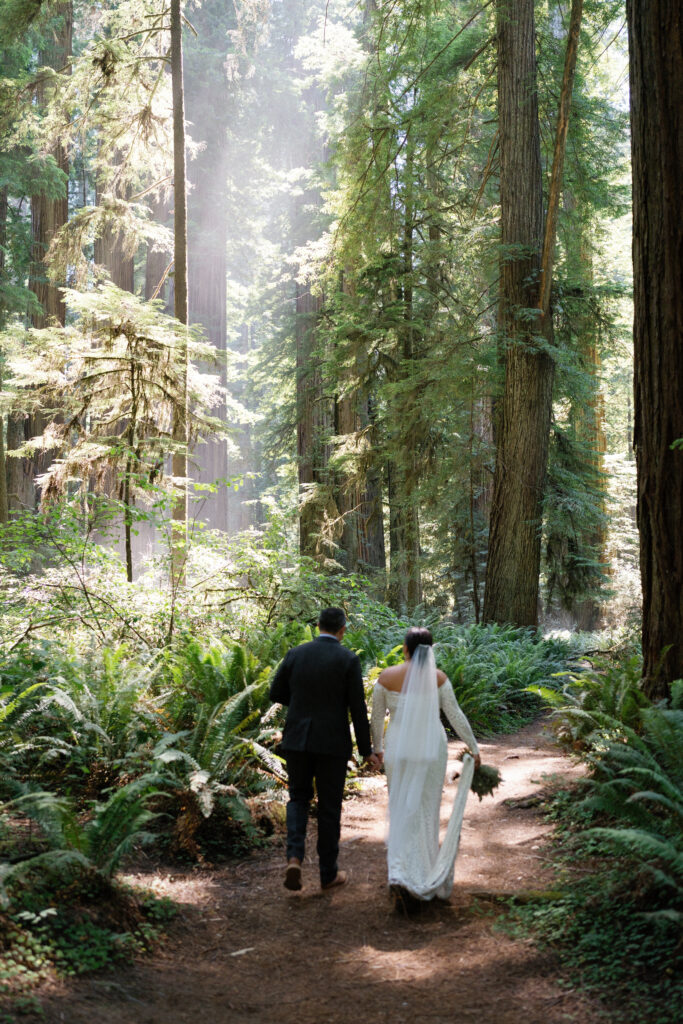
(243, 950)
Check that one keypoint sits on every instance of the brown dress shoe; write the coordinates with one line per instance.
(293, 875)
(339, 879)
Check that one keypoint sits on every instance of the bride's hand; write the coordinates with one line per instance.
(477, 761)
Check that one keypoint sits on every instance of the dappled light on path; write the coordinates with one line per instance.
(244, 950)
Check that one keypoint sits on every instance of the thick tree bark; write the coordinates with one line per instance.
(656, 75)
(521, 459)
(556, 176)
(180, 299)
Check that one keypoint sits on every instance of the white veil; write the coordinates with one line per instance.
(416, 746)
(415, 859)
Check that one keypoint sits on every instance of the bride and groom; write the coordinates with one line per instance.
(322, 684)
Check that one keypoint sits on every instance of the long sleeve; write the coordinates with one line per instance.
(450, 707)
(378, 715)
(279, 688)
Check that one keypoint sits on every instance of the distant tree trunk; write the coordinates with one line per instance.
(319, 526)
(656, 76)
(110, 253)
(180, 301)
(512, 575)
(211, 106)
(405, 582)
(3, 472)
(47, 217)
(157, 262)
(589, 418)
(359, 489)
(359, 495)
(245, 511)
(3, 461)
(208, 306)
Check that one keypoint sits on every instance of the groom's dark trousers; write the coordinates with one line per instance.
(321, 683)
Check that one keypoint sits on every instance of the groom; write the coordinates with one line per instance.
(321, 682)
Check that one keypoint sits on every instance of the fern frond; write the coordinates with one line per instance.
(644, 845)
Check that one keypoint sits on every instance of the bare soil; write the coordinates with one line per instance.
(243, 950)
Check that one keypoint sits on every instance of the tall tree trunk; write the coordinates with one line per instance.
(47, 217)
(3, 472)
(556, 175)
(405, 584)
(319, 526)
(3, 460)
(245, 511)
(359, 494)
(180, 300)
(656, 76)
(208, 306)
(589, 417)
(359, 490)
(211, 107)
(512, 575)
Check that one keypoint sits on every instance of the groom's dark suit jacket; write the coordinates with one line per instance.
(322, 682)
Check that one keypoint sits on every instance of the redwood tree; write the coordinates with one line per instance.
(656, 76)
(521, 458)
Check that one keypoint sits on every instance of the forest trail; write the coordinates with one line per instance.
(242, 949)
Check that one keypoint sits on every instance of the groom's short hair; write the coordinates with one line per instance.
(331, 620)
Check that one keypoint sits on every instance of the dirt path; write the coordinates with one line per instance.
(244, 950)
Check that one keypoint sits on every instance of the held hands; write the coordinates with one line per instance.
(373, 761)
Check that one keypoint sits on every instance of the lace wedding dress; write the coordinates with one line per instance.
(415, 860)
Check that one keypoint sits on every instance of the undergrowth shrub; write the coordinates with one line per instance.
(618, 924)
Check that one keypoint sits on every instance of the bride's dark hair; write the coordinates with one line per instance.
(415, 636)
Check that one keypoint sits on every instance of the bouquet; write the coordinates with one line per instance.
(486, 778)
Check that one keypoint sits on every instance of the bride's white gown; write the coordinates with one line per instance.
(417, 862)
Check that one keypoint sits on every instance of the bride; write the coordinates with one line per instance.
(415, 759)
